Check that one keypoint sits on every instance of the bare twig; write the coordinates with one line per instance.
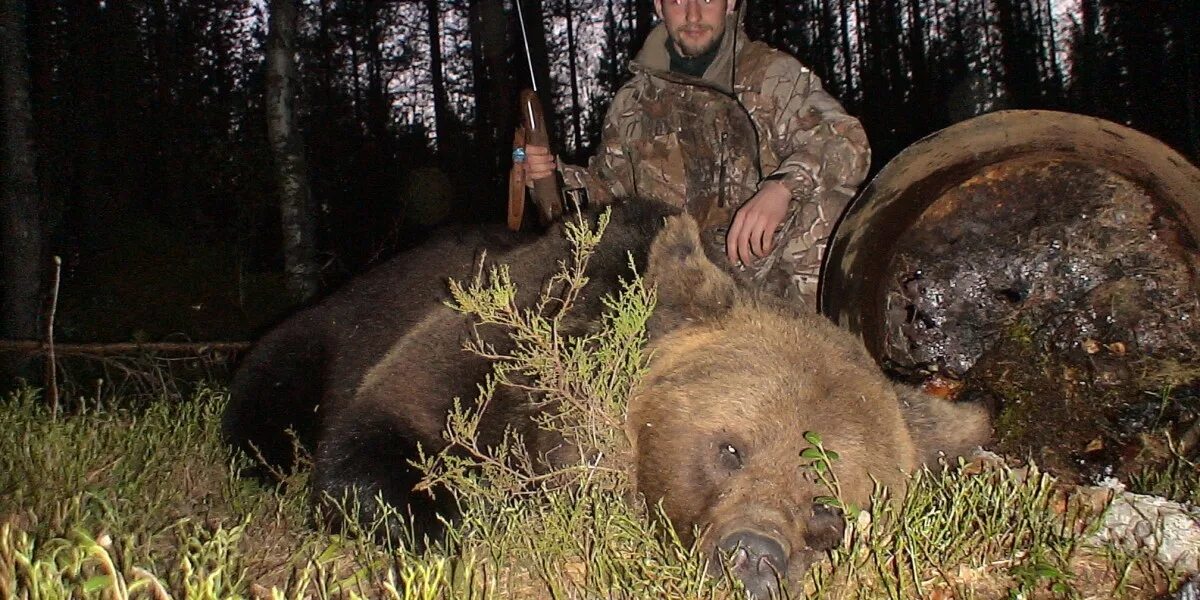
(51, 366)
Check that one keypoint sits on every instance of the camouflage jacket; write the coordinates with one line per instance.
(708, 143)
(696, 142)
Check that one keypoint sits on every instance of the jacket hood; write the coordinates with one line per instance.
(653, 55)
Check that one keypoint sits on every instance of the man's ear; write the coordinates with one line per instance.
(690, 287)
(658, 8)
(729, 10)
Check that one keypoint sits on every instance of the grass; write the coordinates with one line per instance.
(1177, 480)
(113, 502)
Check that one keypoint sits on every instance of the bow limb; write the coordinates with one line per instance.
(516, 185)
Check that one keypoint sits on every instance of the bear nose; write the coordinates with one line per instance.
(757, 559)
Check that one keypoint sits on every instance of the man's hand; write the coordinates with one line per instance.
(752, 233)
(539, 163)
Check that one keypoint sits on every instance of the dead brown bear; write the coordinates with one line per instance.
(717, 424)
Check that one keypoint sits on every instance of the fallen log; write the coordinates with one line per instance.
(108, 349)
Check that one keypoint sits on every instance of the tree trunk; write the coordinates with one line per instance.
(826, 28)
(848, 94)
(353, 43)
(495, 98)
(615, 62)
(1057, 80)
(378, 98)
(326, 49)
(22, 234)
(576, 109)
(641, 20)
(919, 101)
(1085, 59)
(859, 15)
(1188, 32)
(892, 42)
(1018, 51)
(287, 149)
(441, 100)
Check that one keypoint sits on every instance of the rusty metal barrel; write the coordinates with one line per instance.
(1030, 237)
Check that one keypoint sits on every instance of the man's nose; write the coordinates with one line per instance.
(693, 10)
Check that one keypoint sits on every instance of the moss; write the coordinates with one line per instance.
(1020, 334)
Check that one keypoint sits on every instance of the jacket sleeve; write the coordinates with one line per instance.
(609, 173)
(820, 146)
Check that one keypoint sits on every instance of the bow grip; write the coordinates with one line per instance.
(546, 194)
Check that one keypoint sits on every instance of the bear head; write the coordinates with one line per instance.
(718, 425)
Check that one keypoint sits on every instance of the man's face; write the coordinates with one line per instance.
(694, 25)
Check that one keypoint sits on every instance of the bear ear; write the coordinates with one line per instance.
(690, 287)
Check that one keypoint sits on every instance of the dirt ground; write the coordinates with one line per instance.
(1067, 299)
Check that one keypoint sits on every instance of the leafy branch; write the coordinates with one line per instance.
(574, 373)
(821, 462)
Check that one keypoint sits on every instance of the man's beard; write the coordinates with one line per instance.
(692, 51)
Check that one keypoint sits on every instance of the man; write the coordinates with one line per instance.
(741, 135)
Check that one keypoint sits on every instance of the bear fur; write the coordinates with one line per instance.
(717, 424)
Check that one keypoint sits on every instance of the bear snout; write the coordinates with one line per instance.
(758, 559)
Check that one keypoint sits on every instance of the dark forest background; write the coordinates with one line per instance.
(137, 145)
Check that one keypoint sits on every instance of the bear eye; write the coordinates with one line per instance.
(730, 457)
